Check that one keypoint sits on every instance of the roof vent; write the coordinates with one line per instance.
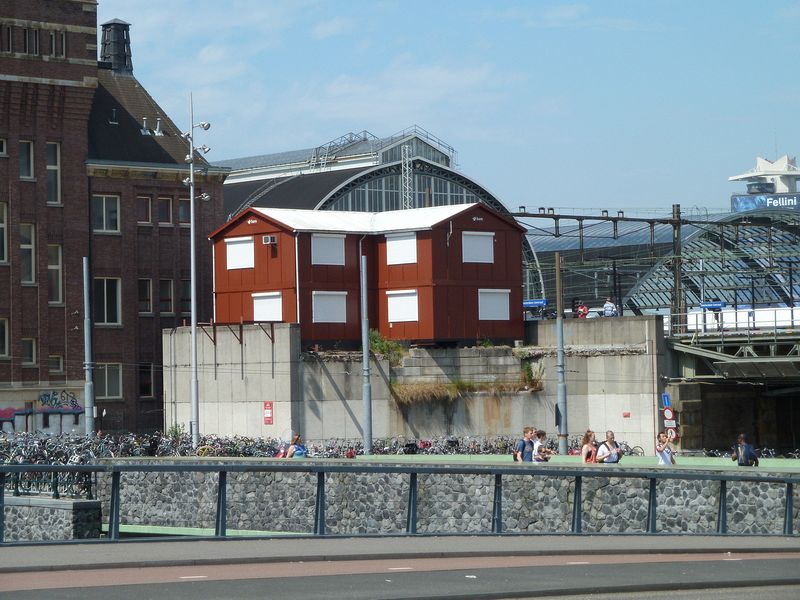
(144, 130)
(115, 46)
(113, 119)
(157, 130)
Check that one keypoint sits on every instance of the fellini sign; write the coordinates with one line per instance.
(745, 202)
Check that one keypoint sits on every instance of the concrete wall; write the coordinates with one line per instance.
(612, 369)
(32, 519)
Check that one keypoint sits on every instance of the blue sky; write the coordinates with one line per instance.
(601, 104)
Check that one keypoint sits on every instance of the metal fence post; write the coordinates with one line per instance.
(222, 505)
(497, 509)
(411, 515)
(788, 517)
(54, 477)
(722, 512)
(577, 505)
(319, 509)
(113, 513)
(15, 480)
(2, 507)
(651, 507)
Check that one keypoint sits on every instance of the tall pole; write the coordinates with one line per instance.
(88, 365)
(195, 409)
(366, 388)
(677, 289)
(561, 406)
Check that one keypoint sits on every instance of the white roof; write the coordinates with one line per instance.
(342, 221)
(784, 166)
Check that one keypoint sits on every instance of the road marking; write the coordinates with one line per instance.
(194, 577)
(471, 576)
(401, 568)
(579, 563)
(732, 559)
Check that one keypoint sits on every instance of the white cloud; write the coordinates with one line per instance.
(333, 27)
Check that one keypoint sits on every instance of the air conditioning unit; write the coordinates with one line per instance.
(268, 240)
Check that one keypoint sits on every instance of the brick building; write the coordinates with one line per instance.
(89, 166)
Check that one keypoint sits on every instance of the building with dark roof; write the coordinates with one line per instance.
(94, 168)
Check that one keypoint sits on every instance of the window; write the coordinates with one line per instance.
(53, 173)
(27, 253)
(143, 210)
(165, 211)
(327, 249)
(145, 296)
(3, 229)
(329, 307)
(30, 41)
(107, 301)
(105, 214)
(58, 44)
(403, 305)
(165, 296)
(8, 38)
(3, 337)
(240, 253)
(186, 296)
(25, 159)
(493, 305)
(401, 249)
(145, 380)
(28, 352)
(477, 247)
(45, 420)
(184, 211)
(55, 363)
(108, 380)
(55, 288)
(267, 306)
(3, 147)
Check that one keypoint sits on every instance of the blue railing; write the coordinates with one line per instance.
(321, 469)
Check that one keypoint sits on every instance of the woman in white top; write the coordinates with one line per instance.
(664, 451)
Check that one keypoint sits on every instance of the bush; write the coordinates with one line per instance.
(392, 350)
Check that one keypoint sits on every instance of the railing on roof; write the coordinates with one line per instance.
(426, 135)
(321, 155)
(735, 323)
(319, 470)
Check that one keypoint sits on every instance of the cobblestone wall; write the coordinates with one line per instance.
(359, 503)
(44, 519)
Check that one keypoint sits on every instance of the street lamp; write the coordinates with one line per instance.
(194, 424)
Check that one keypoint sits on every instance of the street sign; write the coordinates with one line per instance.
(717, 304)
(670, 423)
(672, 433)
(665, 402)
(267, 413)
(534, 303)
(668, 414)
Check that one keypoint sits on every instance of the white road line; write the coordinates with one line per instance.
(401, 568)
(579, 563)
(471, 576)
(732, 559)
(194, 577)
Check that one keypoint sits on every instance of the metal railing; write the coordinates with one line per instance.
(734, 323)
(320, 470)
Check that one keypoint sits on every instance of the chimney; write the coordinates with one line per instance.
(116, 47)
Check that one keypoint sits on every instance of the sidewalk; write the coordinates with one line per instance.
(148, 553)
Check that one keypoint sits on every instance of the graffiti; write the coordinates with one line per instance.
(62, 400)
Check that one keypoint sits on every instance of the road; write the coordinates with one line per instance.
(728, 575)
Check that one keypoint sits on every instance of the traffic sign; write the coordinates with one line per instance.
(670, 424)
(668, 414)
(672, 433)
(534, 303)
(665, 401)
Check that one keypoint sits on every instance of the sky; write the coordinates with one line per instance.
(612, 104)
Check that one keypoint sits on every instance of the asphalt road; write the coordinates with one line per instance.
(627, 576)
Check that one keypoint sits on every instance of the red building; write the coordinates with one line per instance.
(445, 274)
(92, 167)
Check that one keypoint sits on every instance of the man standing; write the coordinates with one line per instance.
(609, 451)
(523, 449)
(609, 308)
(743, 452)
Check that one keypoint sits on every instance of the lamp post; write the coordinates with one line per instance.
(194, 424)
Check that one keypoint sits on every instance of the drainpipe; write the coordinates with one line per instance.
(366, 387)
(297, 276)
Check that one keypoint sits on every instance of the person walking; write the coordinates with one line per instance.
(609, 308)
(743, 453)
(523, 449)
(609, 451)
(664, 450)
(588, 447)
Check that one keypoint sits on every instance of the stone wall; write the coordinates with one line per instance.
(373, 503)
(34, 519)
